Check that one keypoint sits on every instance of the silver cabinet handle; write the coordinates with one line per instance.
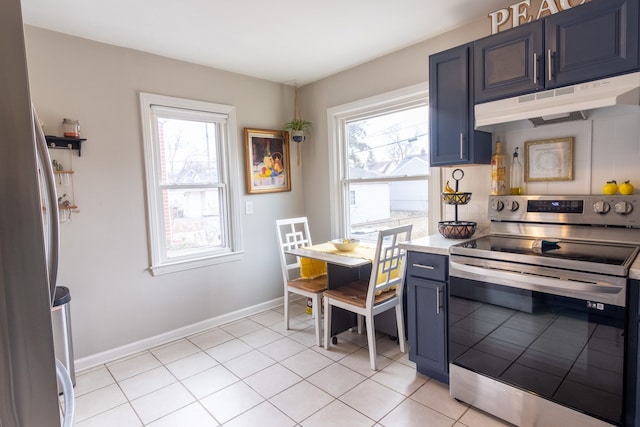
(461, 144)
(549, 68)
(426, 267)
(535, 68)
(437, 300)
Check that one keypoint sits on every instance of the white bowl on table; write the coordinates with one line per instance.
(345, 245)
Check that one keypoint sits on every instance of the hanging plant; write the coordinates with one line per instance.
(297, 127)
(297, 124)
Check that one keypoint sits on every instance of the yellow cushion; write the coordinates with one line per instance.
(312, 268)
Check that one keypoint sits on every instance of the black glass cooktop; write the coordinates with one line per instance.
(569, 250)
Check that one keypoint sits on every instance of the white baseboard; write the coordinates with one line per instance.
(147, 343)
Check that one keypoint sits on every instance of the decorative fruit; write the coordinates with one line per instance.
(448, 189)
(626, 188)
(610, 187)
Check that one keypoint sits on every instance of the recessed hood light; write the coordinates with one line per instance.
(558, 118)
(562, 104)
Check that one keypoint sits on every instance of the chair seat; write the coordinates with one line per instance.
(355, 293)
(315, 285)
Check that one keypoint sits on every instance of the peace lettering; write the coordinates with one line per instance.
(521, 12)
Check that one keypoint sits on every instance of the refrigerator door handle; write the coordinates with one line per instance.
(51, 204)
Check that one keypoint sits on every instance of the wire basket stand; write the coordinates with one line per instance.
(456, 229)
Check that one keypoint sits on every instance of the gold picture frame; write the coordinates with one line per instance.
(267, 161)
(548, 160)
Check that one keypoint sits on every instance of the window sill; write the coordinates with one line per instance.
(176, 267)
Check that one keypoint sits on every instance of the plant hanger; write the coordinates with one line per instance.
(297, 126)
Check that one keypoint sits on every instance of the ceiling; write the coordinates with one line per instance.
(284, 41)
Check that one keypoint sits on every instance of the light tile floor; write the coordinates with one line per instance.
(254, 372)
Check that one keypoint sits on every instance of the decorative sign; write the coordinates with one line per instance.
(522, 12)
(548, 160)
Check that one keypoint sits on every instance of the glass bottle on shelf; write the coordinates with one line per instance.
(498, 171)
(516, 183)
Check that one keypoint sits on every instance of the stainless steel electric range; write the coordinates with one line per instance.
(538, 310)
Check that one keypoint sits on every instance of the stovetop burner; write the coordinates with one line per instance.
(591, 233)
(543, 250)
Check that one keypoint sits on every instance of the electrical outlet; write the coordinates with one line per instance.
(248, 208)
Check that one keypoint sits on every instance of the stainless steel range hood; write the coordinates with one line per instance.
(562, 104)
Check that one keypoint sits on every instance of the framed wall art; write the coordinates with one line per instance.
(548, 160)
(267, 160)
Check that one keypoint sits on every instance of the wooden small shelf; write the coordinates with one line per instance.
(67, 207)
(64, 142)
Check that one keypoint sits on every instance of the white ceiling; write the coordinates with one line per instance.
(283, 41)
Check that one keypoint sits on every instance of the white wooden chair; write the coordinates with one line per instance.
(375, 296)
(294, 233)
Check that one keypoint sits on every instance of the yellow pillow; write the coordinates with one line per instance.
(312, 268)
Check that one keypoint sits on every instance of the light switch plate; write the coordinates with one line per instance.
(248, 208)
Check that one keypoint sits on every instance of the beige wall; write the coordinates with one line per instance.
(105, 256)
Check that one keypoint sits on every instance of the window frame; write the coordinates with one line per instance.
(337, 116)
(228, 181)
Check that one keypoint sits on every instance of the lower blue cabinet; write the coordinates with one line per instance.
(427, 276)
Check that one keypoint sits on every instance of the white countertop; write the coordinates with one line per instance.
(434, 244)
(438, 244)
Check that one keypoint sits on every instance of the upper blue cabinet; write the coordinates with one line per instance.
(453, 140)
(588, 42)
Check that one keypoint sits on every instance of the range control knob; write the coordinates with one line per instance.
(601, 207)
(497, 205)
(623, 208)
(512, 205)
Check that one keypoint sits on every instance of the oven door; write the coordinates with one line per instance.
(554, 334)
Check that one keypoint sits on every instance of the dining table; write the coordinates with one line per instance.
(342, 267)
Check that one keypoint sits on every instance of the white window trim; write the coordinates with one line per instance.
(336, 116)
(228, 149)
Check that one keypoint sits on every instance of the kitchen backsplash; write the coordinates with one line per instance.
(606, 147)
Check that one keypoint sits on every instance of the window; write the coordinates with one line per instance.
(188, 146)
(381, 158)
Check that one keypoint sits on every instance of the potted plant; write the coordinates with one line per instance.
(297, 127)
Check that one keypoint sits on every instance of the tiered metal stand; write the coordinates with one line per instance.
(456, 229)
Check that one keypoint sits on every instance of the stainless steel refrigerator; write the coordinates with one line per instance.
(28, 264)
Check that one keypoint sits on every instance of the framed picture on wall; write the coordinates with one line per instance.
(548, 160)
(267, 165)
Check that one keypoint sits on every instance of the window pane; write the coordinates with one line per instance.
(388, 204)
(192, 220)
(394, 144)
(187, 151)
(390, 151)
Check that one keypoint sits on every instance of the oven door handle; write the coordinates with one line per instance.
(522, 280)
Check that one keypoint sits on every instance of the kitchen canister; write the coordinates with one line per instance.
(71, 128)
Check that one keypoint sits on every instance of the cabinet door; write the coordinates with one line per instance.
(509, 63)
(426, 309)
(592, 41)
(452, 138)
(632, 368)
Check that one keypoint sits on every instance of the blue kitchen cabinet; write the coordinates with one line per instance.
(632, 359)
(508, 63)
(452, 138)
(427, 276)
(588, 42)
